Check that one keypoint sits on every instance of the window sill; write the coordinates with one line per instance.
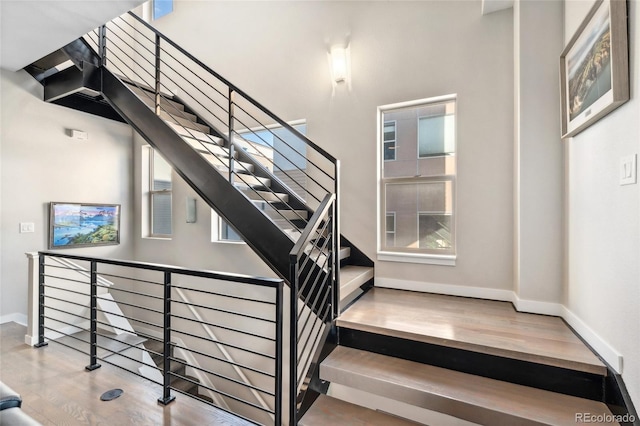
(229, 242)
(428, 259)
(150, 237)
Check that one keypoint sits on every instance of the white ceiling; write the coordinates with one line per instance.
(31, 29)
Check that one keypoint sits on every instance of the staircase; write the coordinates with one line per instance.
(281, 197)
(447, 360)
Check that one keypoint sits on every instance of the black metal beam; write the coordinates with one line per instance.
(260, 233)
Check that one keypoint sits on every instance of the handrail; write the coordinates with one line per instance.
(235, 88)
(312, 227)
(202, 273)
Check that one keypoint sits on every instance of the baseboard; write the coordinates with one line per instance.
(537, 307)
(448, 289)
(609, 354)
(15, 317)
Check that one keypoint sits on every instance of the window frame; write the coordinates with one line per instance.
(425, 256)
(152, 192)
(395, 139)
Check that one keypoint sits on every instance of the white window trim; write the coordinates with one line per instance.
(422, 258)
(145, 208)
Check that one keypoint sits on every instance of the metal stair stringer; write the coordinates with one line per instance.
(260, 233)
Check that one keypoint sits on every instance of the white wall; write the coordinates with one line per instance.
(190, 245)
(39, 164)
(603, 254)
(400, 51)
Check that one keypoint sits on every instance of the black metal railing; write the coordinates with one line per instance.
(226, 349)
(247, 143)
(314, 278)
(160, 71)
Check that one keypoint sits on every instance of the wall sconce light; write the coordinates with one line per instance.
(340, 62)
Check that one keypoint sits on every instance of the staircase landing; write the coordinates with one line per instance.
(484, 326)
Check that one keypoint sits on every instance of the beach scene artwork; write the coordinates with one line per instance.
(74, 225)
(589, 64)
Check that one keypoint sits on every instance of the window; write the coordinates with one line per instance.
(417, 188)
(389, 140)
(161, 8)
(159, 195)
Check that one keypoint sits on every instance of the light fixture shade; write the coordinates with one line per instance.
(339, 64)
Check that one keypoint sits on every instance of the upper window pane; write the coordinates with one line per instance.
(161, 173)
(424, 144)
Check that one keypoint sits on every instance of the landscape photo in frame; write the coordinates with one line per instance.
(594, 68)
(83, 225)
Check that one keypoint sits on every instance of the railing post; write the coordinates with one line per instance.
(102, 45)
(166, 352)
(293, 343)
(232, 148)
(41, 341)
(157, 76)
(336, 243)
(279, 352)
(93, 313)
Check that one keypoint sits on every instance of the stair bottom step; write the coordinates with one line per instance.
(330, 411)
(465, 396)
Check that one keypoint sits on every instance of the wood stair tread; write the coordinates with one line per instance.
(473, 398)
(331, 411)
(496, 329)
(352, 277)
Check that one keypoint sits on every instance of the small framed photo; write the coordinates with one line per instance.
(83, 225)
(594, 67)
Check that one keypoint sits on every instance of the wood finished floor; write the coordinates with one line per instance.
(56, 389)
(484, 326)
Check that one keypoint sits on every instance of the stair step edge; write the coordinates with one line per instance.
(473, 398)
(331, 411)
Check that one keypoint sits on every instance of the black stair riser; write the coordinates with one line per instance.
(554, 379)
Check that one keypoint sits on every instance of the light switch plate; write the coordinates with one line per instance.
(26, 227)
(628, 170)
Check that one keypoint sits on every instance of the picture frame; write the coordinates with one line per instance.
(74, 225)
(594, 67)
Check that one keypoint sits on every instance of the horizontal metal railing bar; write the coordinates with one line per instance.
(97, 321)
(213, 293)
(322, 247)
(109, 50)
(314, 305)
(138, 280)
(246, 333)
(167, 52)
(247, 113)
(137, 293)
(101, 359)
(68, 268)
(305, 283)
(66, 279)
(224, 311)
(238, 278)
(222, 376)
(246, 367)
(155, 311)
(219, 342)
(235, 89)
(235, 398)
(283, 141)
(65, 289)
(314, 223)
(65, 301)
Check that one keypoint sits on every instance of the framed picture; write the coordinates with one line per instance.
(594, 67)
(83, 225)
